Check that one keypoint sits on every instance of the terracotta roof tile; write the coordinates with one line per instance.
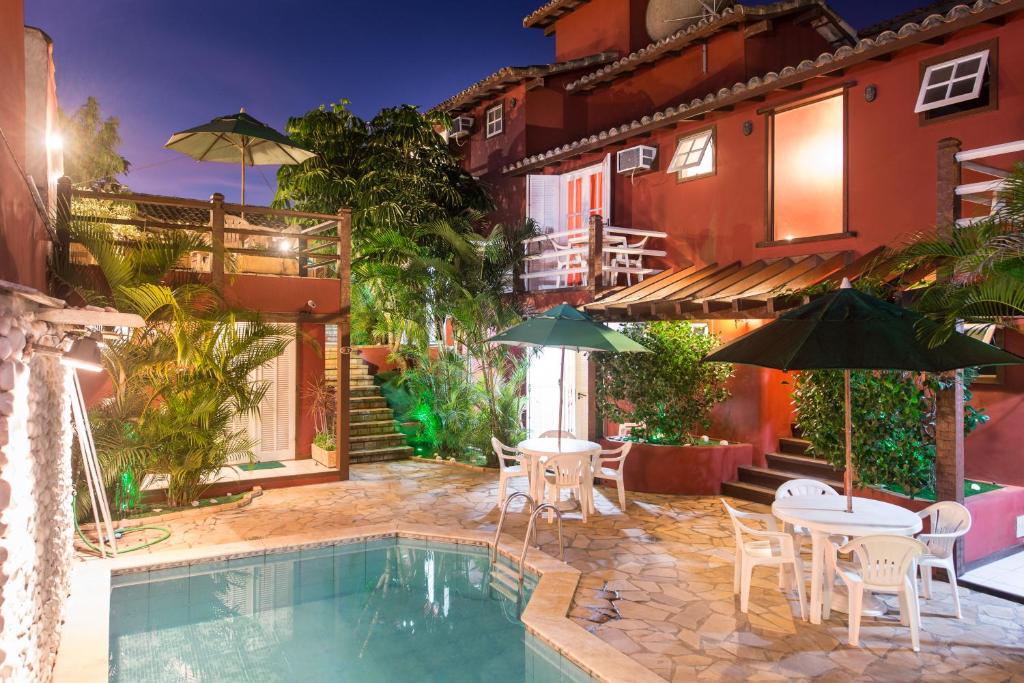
(546, 14)
(886, 41)
(516, 74)
(702, 30)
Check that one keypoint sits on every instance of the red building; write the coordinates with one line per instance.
(748, 150)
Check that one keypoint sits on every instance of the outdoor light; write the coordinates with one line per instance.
(284, 246)
(84, 355)
(789, 238)
(54, 142)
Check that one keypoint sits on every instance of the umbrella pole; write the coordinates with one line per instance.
(848, 473)
(561, 397)
(243, 173)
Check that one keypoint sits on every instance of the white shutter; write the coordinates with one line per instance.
(606, 185)
(274, 427)
(542, 201)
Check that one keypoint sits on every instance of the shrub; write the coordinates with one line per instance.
(893, 415)
(669, 391)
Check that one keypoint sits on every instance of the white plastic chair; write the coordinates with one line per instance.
(887, 565)
(767, 546)
(626, 428)
(562, 261)
(626, 260)
(568, 471)
(949, 521)
(554, 434)
(510, 466)
(617, 459)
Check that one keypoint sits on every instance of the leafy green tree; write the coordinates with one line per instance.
(91, 145)
(668, 392)
(894, 416)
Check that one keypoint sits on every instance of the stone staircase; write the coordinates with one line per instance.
(758, 484)
(374, 434)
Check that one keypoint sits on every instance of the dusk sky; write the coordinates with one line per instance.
(165, 65)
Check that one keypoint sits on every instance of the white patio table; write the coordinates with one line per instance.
(824, 516)
(537, 452)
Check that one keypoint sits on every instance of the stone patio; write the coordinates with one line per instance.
(657, 582)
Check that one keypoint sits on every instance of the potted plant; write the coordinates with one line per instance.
(668, 396)
(319, 396)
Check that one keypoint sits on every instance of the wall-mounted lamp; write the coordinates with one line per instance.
(54, 142)
(871, 93)
(748, 127)
(84, 355)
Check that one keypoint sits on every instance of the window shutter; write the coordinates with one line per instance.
(542, 201)
(606, 189)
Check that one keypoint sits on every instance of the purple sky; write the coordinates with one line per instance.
(165, 65)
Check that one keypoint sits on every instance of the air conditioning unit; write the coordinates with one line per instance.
(638, 158)
(461, 126)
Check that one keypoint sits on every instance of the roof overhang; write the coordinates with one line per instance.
(57, 311)
(547, 14)
(760, 289)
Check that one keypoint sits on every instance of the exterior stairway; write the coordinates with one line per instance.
(758, 484)
(374, 434)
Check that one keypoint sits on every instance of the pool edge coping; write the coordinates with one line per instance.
(84, 647)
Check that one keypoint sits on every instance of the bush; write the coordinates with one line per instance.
(669, 391)
(893, 423)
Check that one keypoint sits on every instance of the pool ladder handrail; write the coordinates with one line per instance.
(531, 532)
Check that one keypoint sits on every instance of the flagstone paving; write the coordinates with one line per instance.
(656, 582)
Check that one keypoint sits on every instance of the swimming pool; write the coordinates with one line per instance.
(392, 609)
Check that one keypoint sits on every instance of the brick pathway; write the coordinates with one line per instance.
(657, 583)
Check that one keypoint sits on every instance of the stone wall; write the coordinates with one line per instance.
(35, 495)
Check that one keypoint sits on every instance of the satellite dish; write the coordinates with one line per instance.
(665, 17)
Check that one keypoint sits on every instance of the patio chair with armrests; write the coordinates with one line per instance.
(609, 467)
(949, 521)
(886, 565)
(554, 434)
(510, 466)
(767, 546)
(567, 472)
(806, 487)
(627, 260)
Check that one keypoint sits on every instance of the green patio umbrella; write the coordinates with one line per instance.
(849, 330)
(238, 139)
(563, 327)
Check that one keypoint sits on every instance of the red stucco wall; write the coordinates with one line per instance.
(599, 26)
(23, 243)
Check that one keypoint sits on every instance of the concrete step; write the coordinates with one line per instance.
(803, 466)
(752, 492)
(794, 445)
(369, 427)
(364, 402)
(364, 390)
(772, 479)
(373, 442)
(361, 414)
(381, 454)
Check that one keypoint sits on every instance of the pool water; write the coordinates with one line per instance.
(374, 611)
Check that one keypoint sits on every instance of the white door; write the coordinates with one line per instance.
(542, 392)
(273, 429)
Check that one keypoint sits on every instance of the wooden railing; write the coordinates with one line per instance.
(243, 239)
(586, 257)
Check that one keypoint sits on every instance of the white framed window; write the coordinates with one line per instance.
(694, 155)
(952, 82)
(495, 120)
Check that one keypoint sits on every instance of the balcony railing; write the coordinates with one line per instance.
(597, 255)
(985, 193)
(237, 239)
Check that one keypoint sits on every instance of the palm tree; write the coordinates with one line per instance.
(181, 382)
(981, 264)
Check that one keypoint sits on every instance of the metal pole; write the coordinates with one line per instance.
(848, 473)
(561, 397)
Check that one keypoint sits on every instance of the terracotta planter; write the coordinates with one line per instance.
(325, 458)
(682, 470)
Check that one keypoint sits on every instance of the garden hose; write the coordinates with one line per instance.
(121, 533)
